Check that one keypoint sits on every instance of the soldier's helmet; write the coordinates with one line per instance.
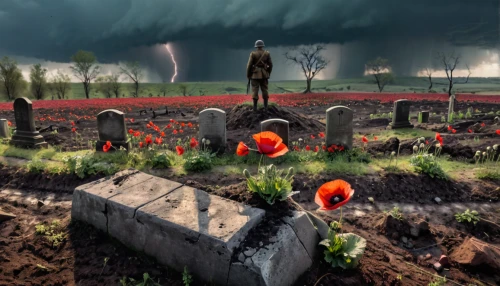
(259, 43)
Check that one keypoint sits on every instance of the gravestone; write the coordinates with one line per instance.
(451, 109)
(423, 117)
(339, 126)
(4, 128)
(213, 128)
(278, 126)
(111, 127)
(26, 135)
(401, 114)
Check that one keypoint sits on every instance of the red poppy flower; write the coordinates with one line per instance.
(137, 134)
(171, 120)
(175, 131)
(151, 123)
(132, 120)
(497, 132)
(179, 150)
(270, 144)
(190, 125)
(312, 136)
(169, 126)
(106, 146)
(242, 149)
(149, 141)
(450, 128)
(73, 129)
(364, 139)
(162, 134)
(141, 144)
(193, 143)
(341, 148)
(181, 131)
(324, 147)
(321, 134)
(72, 123)
(333, 195)
(158, 140)
(183, 124)
(469, 130)
(148, 126)
(316, 149)
(453, 131)
(331, 149)
(426, 142)
(9, 123)
(296, 148)
(375, 138)
(308, 148)
(130, 131)
(483, 124)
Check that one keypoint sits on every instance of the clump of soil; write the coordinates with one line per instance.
(243, 116)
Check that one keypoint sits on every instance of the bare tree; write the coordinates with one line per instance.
(183, 89)
(310, 60)
(38, 78)
(381, 70)
(60, 85)
(85, 68)
(134, 71)
(11, 78)
(109, 85)
(163, 88)
(450, 63)
(428, 73)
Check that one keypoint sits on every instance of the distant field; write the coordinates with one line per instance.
(485, 86)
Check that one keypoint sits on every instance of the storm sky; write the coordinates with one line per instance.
(211, 39)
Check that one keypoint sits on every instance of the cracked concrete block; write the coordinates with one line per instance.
(121, 210)
(89, 200)
(279, 263)
(305, 232)
(191, 228)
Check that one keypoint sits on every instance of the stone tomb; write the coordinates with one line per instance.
(213, 128)
(423, 117)
(184, 227)
(26, 134)
(111, 127)
(4, 128)
(278, 126)
(339, 129)
(401, 114)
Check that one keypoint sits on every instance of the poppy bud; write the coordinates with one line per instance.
(393, 153)
(203, 140)
(478, 154)
(300, 139)
(207, 142)
(495, 147)
(415, 148)
(422, 139)
(484, 154)
(488, 148)
(247, 174)
(422, 145)
(438, 145)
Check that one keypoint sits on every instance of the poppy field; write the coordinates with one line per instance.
(410, 203)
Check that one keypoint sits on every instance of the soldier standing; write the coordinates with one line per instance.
(259, 69)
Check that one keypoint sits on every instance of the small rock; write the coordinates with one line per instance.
(4, 216)
(372, 200)
(241, 257)
(250, 252)
(428, 256)
(443, 260)
(414, 231)
(404, 239)
(40, 204)
(437, 200)
(438, 266)
(409, 245)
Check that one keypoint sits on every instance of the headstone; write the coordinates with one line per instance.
(339, 126)
(111, 127)
(213, 128)
(423, 117)
(26, 134)
(451, 109)
(401, 114)
(4, 128)
(278, 126)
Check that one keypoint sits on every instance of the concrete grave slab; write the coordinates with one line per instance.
(89, 200)
(189, 227)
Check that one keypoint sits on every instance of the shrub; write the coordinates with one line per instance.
(468, 216)
(36, 166)
(87, 165)
(427, 164)
(343, 250)
(199, 161)
(161, 160)
(269, 183)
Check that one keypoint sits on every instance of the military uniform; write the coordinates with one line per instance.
(259, 72)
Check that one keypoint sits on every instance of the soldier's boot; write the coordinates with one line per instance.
(255, 104)
(265, 103)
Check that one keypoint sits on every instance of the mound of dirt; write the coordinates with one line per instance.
(243, 116)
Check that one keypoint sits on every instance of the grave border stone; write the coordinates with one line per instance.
(331, 138)
(115, 143)
(266, 124)
(29, 138)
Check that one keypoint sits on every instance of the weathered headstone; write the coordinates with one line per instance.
(278, 126)
(339, 126)
(401, 114)
(4, 128)
(26, 134)
(423, 117)
(111, 127)
(451, 109)
(213, 128)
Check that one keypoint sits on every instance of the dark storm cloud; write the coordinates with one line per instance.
(55, 29)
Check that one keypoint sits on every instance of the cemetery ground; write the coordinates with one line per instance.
(407, 218)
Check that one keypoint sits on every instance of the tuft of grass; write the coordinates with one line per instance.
(260, 104)
(52, 232)
(488, 174)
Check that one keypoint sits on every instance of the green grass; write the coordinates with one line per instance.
(402, 134)
(363, 84)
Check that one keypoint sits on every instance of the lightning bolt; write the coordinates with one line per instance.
(167, 45)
